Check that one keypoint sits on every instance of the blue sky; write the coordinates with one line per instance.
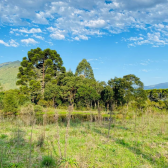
(117, 37)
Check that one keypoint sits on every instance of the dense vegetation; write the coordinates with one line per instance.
(43, 118)
(43, 80)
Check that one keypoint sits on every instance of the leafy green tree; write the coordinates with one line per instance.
(107, 95)
(87, 94)
(1, 97)
(42, 66)
(35, 90)
(131, 83)
(84, 68)
(140, 97)
(52, 91)
(118, 86)
(99, 88)
(165, 93)
(124, 88)
(10, 101)
(69, 87)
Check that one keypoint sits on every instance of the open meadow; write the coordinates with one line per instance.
(137, 142)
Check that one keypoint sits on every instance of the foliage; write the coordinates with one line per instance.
(126, 89)
(52, 91)
(1, 100)
(10, 102)
(84, 69)
(48, 161)
(39, 68)
(38, 109)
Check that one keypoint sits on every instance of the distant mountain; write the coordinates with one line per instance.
(157, 86)
(8, 74)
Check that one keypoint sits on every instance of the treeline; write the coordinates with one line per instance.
(157, 94)
(44, 81)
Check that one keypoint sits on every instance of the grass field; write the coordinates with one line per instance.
(137, 142)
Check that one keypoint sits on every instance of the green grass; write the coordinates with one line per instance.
(144, 144)
(8, 74)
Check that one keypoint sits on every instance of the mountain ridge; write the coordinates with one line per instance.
(157, 86)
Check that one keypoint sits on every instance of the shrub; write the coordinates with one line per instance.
(1, 100)
(43, 103)
(48, 161)
(3, 136)
(38, 109)
(10, 103)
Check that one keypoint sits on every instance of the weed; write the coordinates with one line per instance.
(3, 136)
(48, 161)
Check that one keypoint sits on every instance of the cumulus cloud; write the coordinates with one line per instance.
(95, 23)
(39, 37)
(29, 41)
(56, 33)
(155, 39)
(11, 43)
(24, 30)
(57, 36)
(81, 19)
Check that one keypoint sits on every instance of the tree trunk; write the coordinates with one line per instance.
(98, 103)
(91, 104)
(107, 106)
(95, 104)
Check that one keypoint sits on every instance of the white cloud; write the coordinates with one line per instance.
(81, 19)
(145, 70)
(11, 43)
(29, 41)
(135, 38)
(39, 37)
(155, 39)
(2, 42)
(24, 30)
(95, 23)
(82, 37)
(92, 60)
(56, 33)
(57, 36)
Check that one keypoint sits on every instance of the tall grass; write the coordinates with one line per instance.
(86, 144)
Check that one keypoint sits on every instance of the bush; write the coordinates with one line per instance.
(1, 100)
(10, 103)
(43, 103)
(38, 109)
(48, 161)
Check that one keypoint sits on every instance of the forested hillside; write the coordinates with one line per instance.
(8, 74)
